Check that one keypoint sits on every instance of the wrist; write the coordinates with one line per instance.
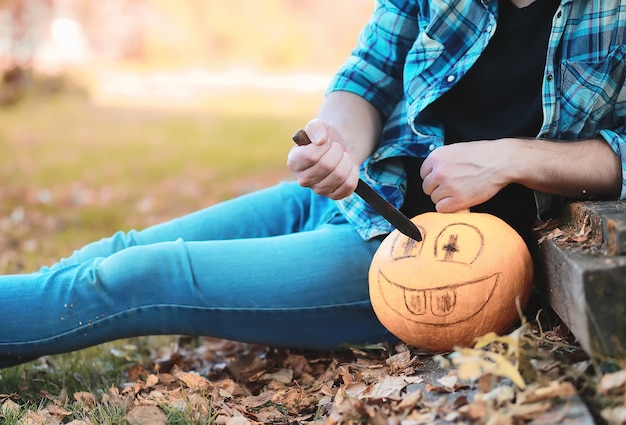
(518, 158)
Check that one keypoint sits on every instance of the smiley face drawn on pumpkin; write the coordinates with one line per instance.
(457, 246)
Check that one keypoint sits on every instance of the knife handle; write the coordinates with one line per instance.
(301, 138)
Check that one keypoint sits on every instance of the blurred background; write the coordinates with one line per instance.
(119, 114)
(179, 50)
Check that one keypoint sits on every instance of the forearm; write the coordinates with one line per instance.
(358, 122)
(586, 169)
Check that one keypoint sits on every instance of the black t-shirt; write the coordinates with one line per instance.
(500, 96)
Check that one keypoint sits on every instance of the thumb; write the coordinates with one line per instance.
(317, 130)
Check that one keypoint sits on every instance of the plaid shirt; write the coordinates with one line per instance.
(411, 52)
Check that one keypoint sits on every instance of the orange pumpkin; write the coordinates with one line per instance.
(463, 280)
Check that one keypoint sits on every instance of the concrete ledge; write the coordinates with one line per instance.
(582, 267)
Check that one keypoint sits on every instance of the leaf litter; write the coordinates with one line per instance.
(520, 378)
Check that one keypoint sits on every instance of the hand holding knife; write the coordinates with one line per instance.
(369, 195)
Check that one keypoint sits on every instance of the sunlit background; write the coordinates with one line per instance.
(119, 114)
(170, 53)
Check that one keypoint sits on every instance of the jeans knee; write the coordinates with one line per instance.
(145, 267)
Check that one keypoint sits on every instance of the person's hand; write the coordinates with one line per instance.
(326, 165)
(462, 175)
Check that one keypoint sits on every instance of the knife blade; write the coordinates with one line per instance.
(393, 215)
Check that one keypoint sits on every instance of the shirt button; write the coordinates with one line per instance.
(549, 77)
(431, 147)
(376, 155)
(450, 78)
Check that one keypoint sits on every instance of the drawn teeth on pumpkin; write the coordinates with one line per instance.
(427, 305)
(415, 301)
(442, 301)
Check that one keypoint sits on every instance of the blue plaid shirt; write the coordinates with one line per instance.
(411, 52)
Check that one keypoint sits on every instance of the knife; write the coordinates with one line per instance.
(394, 216)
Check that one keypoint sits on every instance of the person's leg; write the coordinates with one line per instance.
(281, 209)
(307, 290)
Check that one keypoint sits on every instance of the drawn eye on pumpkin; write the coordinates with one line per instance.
(459, 243)
(403, 247)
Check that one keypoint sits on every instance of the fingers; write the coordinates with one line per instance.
(302, 158)
(328, 162)
(446, 197)
(325, 165)
(447, 194)
(432, 180)
(429, 184)
(340, 181)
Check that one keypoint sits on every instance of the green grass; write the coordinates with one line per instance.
(79, 172)
(54, 380)
(72, 172)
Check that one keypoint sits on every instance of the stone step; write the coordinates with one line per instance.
(581, 266)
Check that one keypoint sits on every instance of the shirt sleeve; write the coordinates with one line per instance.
(374, 68)
(617, 140)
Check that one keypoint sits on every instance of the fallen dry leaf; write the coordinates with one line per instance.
(284, 376)
(615, 415)
(613, 383)
(389, 388)
(295, 400)
(57, 410)
(12, 396)
(554, 389)
(10, 406)
(402, 363)
(475, 410)
(86, 399)
(152, 380)
(449, 381)
(257, 401)
(193, 381)
(146, 415)
(40, 418)
(237, 420)
(499, 396)
(472, 364)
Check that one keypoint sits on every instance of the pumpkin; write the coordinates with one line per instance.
(468, 276)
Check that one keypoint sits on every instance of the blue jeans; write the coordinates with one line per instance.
(279, 267)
